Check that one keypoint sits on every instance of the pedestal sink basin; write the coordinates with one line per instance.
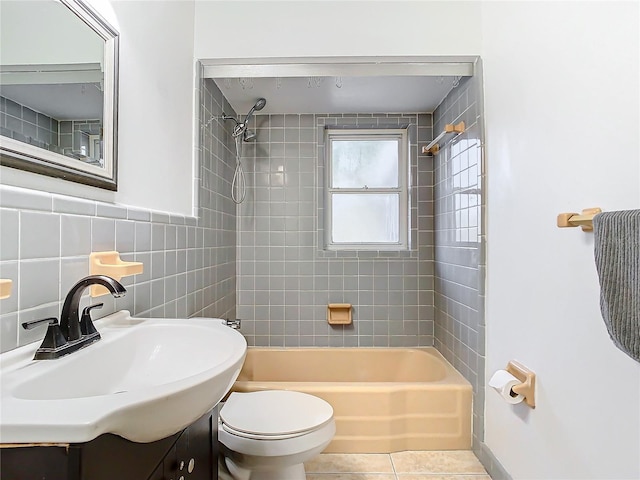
(144, 380)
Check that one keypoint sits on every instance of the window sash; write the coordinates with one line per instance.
(368, 174)
(402, 190)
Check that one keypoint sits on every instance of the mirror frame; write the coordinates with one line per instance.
(27, 157)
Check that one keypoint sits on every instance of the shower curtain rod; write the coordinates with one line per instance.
(434, 147)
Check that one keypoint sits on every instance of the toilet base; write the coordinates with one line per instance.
(293, 472)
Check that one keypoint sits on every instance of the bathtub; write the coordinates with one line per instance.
(384, 399)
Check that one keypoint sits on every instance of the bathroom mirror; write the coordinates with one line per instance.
(58, 91)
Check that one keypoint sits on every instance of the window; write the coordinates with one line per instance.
(366, 193)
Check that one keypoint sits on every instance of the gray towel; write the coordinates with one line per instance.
(617, 252)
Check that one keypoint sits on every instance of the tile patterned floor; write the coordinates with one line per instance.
(441, 465)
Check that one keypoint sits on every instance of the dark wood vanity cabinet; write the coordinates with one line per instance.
(188, 455)
(194, 455)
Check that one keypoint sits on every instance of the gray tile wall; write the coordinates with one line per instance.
(26, 125)
(460, 240)
(75, 133)
(189, 262)
(286, 279)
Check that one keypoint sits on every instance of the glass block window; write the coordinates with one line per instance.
(367, 200)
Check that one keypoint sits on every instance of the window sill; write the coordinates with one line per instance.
(368, 254)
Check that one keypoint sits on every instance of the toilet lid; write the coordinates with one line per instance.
(274, 412)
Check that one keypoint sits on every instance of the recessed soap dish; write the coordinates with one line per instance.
(339, 314)
(109, 263)
(5, 287)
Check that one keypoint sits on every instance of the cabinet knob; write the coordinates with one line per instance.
(191, 466)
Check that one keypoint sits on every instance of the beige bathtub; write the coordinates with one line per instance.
(384, 399)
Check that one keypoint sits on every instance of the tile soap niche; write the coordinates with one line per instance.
(339, 314)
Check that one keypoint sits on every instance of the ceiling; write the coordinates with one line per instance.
(66, 101)
(356, 94)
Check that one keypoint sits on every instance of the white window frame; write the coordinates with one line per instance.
(398, 134)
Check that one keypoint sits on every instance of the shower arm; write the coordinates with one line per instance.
(240, 128)
(224, 116)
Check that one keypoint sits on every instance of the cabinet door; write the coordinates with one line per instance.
(110, 457)
(189, 455)
(39, 463)
(158, 473)
(195, 460)
(170, 462)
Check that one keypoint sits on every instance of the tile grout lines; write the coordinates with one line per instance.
(393, 467)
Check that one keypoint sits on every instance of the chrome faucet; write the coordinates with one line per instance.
(235, 324)
(73, 332)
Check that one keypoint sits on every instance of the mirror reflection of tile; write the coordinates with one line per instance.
(80, 139)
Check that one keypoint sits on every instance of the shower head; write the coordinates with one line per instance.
(259, 105)
(240, 128)
(249, 135)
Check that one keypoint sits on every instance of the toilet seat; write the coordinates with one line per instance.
(273, 448)
(274, 414)
(254, 436)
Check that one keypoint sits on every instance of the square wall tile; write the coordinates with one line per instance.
(75, 235)
(8, 332)
(39, 235)
(39, 282)
(9, 234)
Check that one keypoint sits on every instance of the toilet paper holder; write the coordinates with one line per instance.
(528, 378)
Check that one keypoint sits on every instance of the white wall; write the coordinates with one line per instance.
(156, 104)
(562, 123)
(228, 29)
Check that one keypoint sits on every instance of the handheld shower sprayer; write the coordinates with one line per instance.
(240, 133)
(259, 105)
(241, 127)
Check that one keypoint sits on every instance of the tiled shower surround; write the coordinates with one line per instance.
(286, 278)
(24, 124)
(459, 243)
(189, 262)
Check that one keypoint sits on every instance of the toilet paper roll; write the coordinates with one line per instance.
(502, 382)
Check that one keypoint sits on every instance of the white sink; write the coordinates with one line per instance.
(144, 380)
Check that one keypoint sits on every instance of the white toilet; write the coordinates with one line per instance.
(267, 435)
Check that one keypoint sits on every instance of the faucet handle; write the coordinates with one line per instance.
(234, 324)
(86, 324)
(34, 323)
(53, 338)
